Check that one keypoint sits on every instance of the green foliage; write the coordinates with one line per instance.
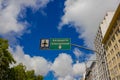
(39, 77)
(5, 56)
(18, 72)
(30, 75)
(5, 59)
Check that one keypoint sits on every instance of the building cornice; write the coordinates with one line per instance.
(112, 23)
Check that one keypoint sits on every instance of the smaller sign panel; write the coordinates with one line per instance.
(44, 44)
(60, 43)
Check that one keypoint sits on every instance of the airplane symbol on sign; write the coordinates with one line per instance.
(44, 44)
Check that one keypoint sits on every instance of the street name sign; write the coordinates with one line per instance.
(60, 44)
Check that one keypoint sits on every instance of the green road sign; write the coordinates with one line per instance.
(60, 43)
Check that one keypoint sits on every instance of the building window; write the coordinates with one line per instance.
(117, 32)
(119, 65)
(116, 46)
(113, 38)
(118, 55)
(111, 51)
(112, 71)
(119, 40)
(108, 55)
(109, 44)
(115, 70)
(113, 60)
(106, 47)
(110, 63)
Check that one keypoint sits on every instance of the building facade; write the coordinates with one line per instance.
(88, 74)
(91, 72)
(103, 72)
(83, 76)
(111, 41)
(94, 71)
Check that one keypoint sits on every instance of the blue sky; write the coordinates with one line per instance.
(24, 23)
(45, 26)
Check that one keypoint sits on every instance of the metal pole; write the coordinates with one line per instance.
(84, 48)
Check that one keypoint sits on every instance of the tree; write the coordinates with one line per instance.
(39, 77)
(30, 75)
(18, 72)
(5, 59)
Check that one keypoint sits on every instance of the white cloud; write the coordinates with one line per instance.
(66, 78)
(62, 65)
(86, 15)
(64, 69)
(69, 78)
(79, 69)
(39, 64)
(90, 59)
(9, 12)
(77, 52)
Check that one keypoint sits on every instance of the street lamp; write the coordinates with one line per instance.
(89, 50)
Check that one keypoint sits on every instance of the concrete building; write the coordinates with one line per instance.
(91, 72)
(88, 74)
(103, 73)
(95, 71)
(111, 41)
(83, 77)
